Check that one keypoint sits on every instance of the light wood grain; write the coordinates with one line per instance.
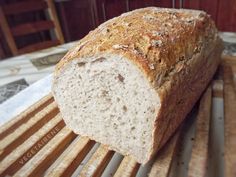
(77, 151)
(24, 131)
(23, 153)
(229, 60)
(198, 159)
(217, 88)
(127, 168)
(230, 120)
(162, 163)
(97, 163)
(47, 155)
(14, 123)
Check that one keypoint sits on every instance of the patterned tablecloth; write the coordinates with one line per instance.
(19, 72)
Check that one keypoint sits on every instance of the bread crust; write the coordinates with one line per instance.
(171, 47)
(174, 109)
(155, 39)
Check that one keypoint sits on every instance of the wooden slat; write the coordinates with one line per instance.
(23, 153)
(39, 46)
(14, 123)
(127, 168)
(230, 120)
(7, 33)
(217, 86)
(198, 159)
(32, 27)
(47, 155)
(23, 132)
(23, 7)
(77, 151)
(229, 60)
(53, 16)
(29, 6)
(2, 52)
(97, 163)
(162, 163)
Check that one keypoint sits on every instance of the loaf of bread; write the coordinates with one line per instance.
(130, 83)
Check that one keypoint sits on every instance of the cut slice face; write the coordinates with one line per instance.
(109, 99)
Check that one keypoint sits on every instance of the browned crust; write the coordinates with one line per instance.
(171, 47)
(183, 97)
(155, 39)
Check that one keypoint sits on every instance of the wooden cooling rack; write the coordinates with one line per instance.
(38, 143)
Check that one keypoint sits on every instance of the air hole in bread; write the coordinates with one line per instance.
(81, 64)
(120, 78)
(100, 59)
(124, 108)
